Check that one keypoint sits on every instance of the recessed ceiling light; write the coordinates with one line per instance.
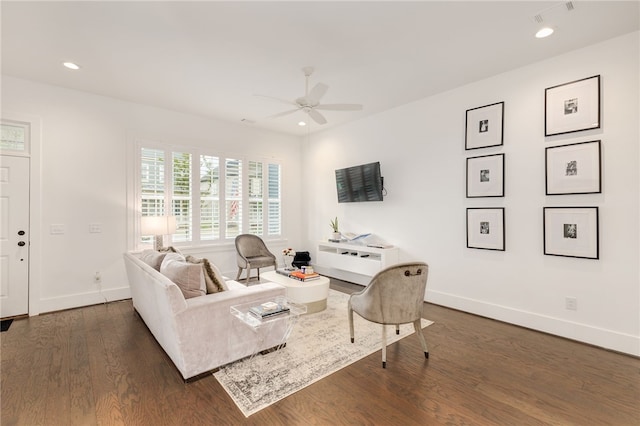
(544, 32)
(302, 123)
(71, 65)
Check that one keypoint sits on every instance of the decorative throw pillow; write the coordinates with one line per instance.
(170, 249)
(212, 276)
(152, 258)
(187, 276)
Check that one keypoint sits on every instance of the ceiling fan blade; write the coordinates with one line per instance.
(284, 101)
(280, 114)
(340, 107)
(317, 117)
(316, 93)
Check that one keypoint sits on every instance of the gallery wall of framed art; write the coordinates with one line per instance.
(485, 228)
(571, 232)
(572, 107)
(569, 169)
(485, 176)
(484, 126)
(572, 169)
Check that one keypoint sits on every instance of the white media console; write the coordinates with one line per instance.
(353, 262)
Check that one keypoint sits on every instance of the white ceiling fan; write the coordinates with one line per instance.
(310, 102)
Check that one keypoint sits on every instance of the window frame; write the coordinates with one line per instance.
(26, 127)
(245, 200)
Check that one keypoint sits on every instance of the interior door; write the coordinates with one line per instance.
(14, 236)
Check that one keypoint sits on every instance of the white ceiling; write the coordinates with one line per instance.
(211, 58)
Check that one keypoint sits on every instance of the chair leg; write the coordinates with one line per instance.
(423, 343)
(384, 346)
(239, 273)
(258, 269)
(397, 328)
(248, 274)
(350, 315)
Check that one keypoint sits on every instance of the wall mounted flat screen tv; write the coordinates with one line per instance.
(359, 183)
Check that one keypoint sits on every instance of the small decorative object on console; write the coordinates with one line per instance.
(336, 236)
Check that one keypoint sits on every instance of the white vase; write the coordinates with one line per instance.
(336, 236)
(288, 263)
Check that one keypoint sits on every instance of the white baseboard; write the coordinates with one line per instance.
(83, 299)
(607, 339)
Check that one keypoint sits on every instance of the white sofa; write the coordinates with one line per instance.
(199, 334)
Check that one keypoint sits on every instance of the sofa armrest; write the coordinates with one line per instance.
(145, 281)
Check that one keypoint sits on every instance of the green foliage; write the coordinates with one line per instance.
(182, 174)
(334, 224)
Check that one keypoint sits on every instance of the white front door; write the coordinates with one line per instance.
(14, 236)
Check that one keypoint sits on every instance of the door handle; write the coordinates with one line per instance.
(21, 233)
(21, 243)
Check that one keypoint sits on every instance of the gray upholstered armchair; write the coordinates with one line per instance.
(252, 254)
(394, 296)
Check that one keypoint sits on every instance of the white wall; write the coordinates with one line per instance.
(421, 150)
(85, 156)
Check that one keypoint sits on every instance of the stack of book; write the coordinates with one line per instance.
(268, 309)
(285, 272)
(301, 276)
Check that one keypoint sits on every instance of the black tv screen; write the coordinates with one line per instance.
(359, 183)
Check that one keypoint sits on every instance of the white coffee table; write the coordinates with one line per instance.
(313, 294)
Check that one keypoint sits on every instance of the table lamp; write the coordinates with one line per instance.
(158, 226)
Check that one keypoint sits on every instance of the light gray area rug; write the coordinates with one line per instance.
(318, 346)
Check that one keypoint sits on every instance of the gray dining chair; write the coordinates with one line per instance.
(394, 296)
(252, 253)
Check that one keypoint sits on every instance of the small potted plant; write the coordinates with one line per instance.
(336, 232)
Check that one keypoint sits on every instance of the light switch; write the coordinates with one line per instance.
(95, 228)
(56, 229)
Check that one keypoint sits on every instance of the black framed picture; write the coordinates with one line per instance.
(571, 232)
(572, 107)
(485, 176)
(485, 228)
(573, 168)
(484, 126)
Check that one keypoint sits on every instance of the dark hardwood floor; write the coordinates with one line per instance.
(100, 365)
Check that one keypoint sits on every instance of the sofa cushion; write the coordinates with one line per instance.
(213, 278)
(170, 249)
(187, 276)
(152, 258)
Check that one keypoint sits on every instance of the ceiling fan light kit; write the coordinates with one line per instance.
(310, 102)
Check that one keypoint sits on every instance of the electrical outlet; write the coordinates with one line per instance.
(97, 278)
(571, 303)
